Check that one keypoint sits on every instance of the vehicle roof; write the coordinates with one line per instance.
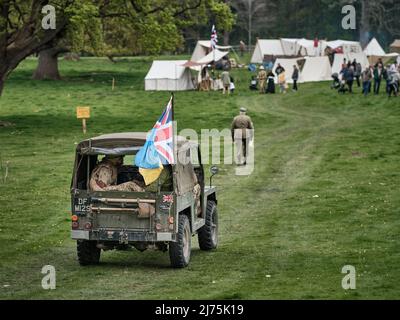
(124, 140)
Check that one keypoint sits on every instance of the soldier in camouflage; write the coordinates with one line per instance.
(104, 177)
(242, 133)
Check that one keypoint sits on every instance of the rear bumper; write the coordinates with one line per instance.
(122, 236)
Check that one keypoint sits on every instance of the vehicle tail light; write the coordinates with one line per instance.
(171, 220)
(74, 218)
(75, 225)
(158, 226)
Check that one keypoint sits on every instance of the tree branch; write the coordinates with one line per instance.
(176, 14)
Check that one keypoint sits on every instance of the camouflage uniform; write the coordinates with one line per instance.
(242, 135)
(104, 178)
(262, 76)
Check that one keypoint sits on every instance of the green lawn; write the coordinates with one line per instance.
(324, 193)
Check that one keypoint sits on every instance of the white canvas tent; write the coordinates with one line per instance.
(266, 47)
(168, 76)
(287, 64)
(203, 48)
(374, 49)
(316, 69)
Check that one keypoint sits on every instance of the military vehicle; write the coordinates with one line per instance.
(105, 220)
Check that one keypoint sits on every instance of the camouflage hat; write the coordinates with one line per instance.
(243, 109)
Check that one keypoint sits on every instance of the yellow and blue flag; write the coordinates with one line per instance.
(158, 148)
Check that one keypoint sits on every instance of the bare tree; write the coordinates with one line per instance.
(253, 15)
(379, 14)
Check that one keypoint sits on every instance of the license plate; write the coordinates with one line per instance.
(81, 205)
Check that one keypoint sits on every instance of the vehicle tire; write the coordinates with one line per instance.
(208, 234)
(88, 253)
(179, 251)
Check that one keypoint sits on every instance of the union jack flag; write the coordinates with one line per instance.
(163, 138)
(214, 37)
(168, 198)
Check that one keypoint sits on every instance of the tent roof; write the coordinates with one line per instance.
(339, 43)
(374, 48)
(396, 43)
(166, 69)
(210, 57)
(271, 47)
(207, 44)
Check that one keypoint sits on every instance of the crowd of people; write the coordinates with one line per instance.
(371, 77)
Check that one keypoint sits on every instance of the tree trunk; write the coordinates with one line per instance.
(226, 38)
(48, 65)
(364, 23)
(2, 81)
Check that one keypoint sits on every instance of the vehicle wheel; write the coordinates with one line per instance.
(208, 234)
(179, 251)
(88, 253)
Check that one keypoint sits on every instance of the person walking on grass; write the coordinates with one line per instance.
(282, 82)
(295, 77)
(366, 79)
(242, 130)
(270, 82)
(262, 77)
(357, 72)
(348, 76)
(226, 81)
(393, 81)
(377, 77)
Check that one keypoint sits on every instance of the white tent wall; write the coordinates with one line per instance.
(287, 64)
(359, 57)
(290, 46)
(316, 69)
(168, 76)
(337, 63)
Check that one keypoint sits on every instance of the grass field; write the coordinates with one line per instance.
(324, 193)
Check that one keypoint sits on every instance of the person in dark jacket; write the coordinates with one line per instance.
(295, 77)
(279, 69)
(357, 72)
(270, 82)
(348, 77)
(377, 78)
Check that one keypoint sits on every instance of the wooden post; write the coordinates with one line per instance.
(84, 125)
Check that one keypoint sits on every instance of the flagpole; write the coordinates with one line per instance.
(174, 146)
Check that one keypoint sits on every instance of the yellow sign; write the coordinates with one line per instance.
(83, 112)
